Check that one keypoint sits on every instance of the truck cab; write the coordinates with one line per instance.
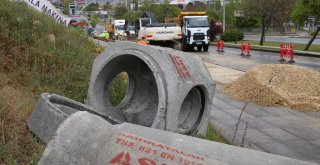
(119, 28)
(195, 31)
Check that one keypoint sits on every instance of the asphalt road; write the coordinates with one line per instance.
(231, 58)
(282, 39)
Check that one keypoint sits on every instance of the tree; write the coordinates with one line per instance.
(263, 10)
(66, 6)
(107, 6)
(166, 10)
(147, 5)
(92, 7)
(303, 10)
(196, 7)
(213, 15)
(132, 16)
(120, 11)
(284, 14)
(217, 5)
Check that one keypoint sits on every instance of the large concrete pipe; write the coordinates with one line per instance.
(168, 89)
(84, 138)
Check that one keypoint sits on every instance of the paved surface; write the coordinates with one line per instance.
(283, 39)
(231, 59)
(223, 75)
(277, 130)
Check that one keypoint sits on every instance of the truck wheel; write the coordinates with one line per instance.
(190, 48)
(177, 46)
(199, 47)
(205, 48)
(184, 47)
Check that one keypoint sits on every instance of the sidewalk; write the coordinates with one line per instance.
(277, 130)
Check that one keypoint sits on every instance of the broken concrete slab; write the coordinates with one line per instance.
(168, 89)
(51, 110)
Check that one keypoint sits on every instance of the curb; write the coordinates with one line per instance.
(272, 49)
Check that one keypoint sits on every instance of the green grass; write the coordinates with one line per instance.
(118, 88)
(313, 48)
(31, 63)
(213, 135)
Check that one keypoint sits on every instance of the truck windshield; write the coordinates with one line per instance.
(144, 22)
(130, 28)
(120, 27)
(197, 22)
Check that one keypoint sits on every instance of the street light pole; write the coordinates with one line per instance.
(224, 16)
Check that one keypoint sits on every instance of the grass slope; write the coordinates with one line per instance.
(36, 55)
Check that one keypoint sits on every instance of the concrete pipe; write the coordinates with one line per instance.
(84, 138)
(168, 89)
(51, 111)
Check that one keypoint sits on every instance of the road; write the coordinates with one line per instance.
(231, 58)
(282, 39)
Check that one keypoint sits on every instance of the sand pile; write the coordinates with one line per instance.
(278, 84)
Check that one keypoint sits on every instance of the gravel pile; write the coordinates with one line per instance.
(279, 84)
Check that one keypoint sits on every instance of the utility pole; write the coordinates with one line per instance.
(224, 16)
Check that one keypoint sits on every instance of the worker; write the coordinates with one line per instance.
(106, 35)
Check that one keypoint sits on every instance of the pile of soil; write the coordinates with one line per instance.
(279, 84)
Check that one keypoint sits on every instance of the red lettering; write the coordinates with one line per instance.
(125, 143)
(121, 159)
(146, 161)
(167, 156)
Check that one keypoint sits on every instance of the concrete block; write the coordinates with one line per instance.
(168, 89)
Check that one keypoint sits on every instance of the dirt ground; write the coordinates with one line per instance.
(278, 84)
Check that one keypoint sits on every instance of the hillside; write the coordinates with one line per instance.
(36, 55)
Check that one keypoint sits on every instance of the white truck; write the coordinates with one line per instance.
(119, 31)
(195, 30)
(161, 34)
(116, 29)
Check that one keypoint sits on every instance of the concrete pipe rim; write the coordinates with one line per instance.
(125, 111)
(192, 110)
(65, 105)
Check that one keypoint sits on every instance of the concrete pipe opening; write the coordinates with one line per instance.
(191, 111)
(139, 100)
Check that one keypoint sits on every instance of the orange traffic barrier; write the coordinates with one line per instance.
(143, 42)
(245, 48)
(286, 51)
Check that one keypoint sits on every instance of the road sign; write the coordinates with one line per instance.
(238, 13)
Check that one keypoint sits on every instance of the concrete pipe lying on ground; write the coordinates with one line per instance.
(168, 89)
(51, 111)
(84, 138)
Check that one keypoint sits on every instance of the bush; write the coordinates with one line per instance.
(215, 30)
(313, 32)
(232, 35)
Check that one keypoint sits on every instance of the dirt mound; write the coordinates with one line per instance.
(278, 84)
